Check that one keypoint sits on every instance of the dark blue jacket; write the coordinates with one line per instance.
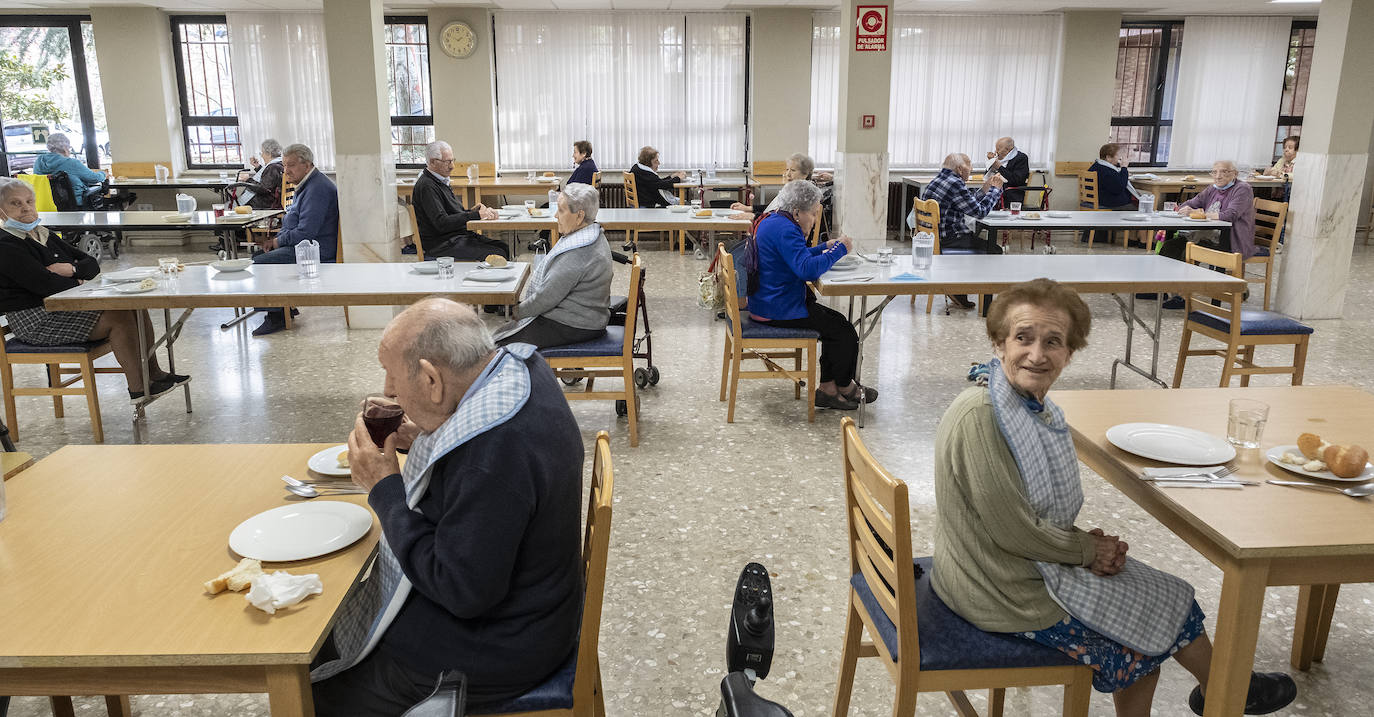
(313, 214)
(583, 173)
(1112, 186)
(786, 263)
(493, 551)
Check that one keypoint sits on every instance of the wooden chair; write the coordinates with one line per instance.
(575, 689)
(415, 232)
(632, 200)
(259, 235)
(484, 169)
(900, 610)
(596, 180)
(927, 220)
(611, 356)
(58, 360)
(1369, 223)
(1087, 198)
(1270, 218)
(769, 171)
(748, 340)
(1240, 329)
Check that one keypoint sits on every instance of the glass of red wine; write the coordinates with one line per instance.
(382, 416)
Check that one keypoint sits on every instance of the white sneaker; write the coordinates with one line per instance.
(699, 254)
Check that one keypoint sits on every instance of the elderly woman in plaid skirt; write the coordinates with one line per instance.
(34, 266)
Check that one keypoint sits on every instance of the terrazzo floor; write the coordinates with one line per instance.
(699, 497)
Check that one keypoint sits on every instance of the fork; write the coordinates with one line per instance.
(1215, 475)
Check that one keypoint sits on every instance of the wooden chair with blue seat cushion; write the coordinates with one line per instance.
(611, 356)
(749, 340)
(574, 690)
(58, 360)
(1222, 318)
(1270, 218)
(924, 645)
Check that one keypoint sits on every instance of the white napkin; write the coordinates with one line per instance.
(281, 589)
(1180, 470)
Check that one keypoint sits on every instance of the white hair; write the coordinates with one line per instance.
(58, 142)
(798, 195)
(1226, 164)
(270, 147)
(447, 334)
(436, 148)
(804, 162)
(583, 198)
(9, 185)
(956, 160)
(301, 152)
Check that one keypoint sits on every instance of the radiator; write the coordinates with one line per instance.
(613, 196)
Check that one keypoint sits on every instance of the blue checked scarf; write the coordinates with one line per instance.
(1140, 607)
(494, 398)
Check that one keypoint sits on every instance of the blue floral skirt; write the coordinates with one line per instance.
(1115, 666)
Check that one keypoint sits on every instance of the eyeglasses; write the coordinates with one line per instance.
(1220, 172)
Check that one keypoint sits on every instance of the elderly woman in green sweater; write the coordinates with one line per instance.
(1008, 555)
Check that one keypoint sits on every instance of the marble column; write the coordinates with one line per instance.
(1087, 83)
(861, 167)
(366, 173)
(1314, 268)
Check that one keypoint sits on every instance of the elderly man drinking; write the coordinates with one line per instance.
(441, 220)
(313, 215)
(1013, 165)
(479, 567)
(959, 205)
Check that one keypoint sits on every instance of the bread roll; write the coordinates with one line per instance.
(243, 210)
(237, 579)
(1311, 445)
(1345, 461)
(549, 174)
(1197, 214)
(496, 260)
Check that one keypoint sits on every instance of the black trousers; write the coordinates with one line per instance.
(470, 248)
(976, 242)
(379, 686)
(1175, 244)
(839, 340)
(544, 332)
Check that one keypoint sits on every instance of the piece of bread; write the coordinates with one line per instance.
(342, 459)
(1311, 445)
(704, 213)
(243, 210)
(1190, 178)
(237, 579)
(1197, 214)
(1345, 461)
(549, 174)
(496, 260)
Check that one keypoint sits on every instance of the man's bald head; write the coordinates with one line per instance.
(1005, 144)
(449, 335)
(957, 161)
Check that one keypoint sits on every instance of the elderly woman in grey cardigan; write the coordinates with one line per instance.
(568, 299)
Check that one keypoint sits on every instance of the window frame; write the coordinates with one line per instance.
(187, 120)
(414, 120)
(1292, 120)
(1154, 121)
(79, 74)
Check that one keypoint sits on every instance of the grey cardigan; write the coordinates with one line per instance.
(575, 289)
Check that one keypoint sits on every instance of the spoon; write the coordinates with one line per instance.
(306, 491)
(1355, 491)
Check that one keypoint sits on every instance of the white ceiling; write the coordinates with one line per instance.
(1174, 8)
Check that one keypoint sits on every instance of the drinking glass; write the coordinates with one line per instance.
(1170, 207)
(696, 204)
(219, 209)
(529, 206)
(1245, 422)
(529, 176)
(445, 267)
(885, 255)
(167, 266)
(1015, 208)
(382, 416)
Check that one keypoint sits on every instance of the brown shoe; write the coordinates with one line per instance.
(837, 402)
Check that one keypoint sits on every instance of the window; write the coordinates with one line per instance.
(407, 80)
(621, 81)
(1146, 83)
(205, 82)
(51, 84)
(1301, 43)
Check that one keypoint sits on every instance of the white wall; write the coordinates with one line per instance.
(780, 83)
(464, 92)
(134, 47)
(1086, 86)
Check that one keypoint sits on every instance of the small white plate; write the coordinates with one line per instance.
(514, 207)
(133, 288)
(546, 180)
(142, 272)
(491, 275)
(426, 267)
(539, 214)
(1274, 453)
(1058, 215)
(229, 265)
(1171, 444)
(300, 531)
(326, 462)
(679, 208)
(843, 268)
(849, 260)
(1028, 217)
(998, 214)
(176, 218)
(1133, 217)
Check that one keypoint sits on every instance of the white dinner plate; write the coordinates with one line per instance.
(998, 214)
(679, 208)
(849, 260)
(1028, 217)
(426, 267)
(539, 214)
(1059, 215)
(326, 462)
(546, 179)
(141, 272)
(133, 288)
(510, 212)
(300, 531)
(231, 265)
(1274, 453)
(1133, 217)
(492, 275)
(838, 268)
(1171, 444)
(514, 207)
(176, 218)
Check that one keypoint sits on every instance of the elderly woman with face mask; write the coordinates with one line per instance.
(34, 266)
(1009, 555)
(1227, 199)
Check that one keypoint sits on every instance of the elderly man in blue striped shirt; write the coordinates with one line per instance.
(958, 203)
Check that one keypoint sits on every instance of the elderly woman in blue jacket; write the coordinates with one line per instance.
(779, 264)
(59, 159)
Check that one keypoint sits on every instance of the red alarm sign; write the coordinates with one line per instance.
(871, 29)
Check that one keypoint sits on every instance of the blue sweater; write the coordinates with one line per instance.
(583, 173)
(786, 263)
(83, 177)
(1112, 184)
(313, 214)
(493, 551)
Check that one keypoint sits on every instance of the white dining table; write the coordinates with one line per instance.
(1097, 221)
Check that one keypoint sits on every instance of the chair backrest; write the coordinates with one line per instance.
(726, 261)
(596, 180)
(880, 540)
(288, 192)
(631, 191)
(596, 543)
(42, 190)
(632, 308)
(927, 218)
(767, 169)
(1229, 302)
(484, 169)
(1087, 191)
(135, 170)
(1270, 217)
(415, 232)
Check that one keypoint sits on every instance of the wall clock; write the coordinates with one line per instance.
(458, 40)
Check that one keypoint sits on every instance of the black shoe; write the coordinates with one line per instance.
(1135, 244)
(538, 245)
(1174, 302)
(494, 308)
(270, 325)
(838, 402)
(961, 301)
(1148, 297)
(870, 394)
(176, 379)
(720, 315)
(408, 249)
(295, 313)
(1269, 692)
(160, 386)
(627, 246)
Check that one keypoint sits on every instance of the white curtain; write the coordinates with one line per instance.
(281, 81)
(620, 81)
(1229, 85)
(959, 82)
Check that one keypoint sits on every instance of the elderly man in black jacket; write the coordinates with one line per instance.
(442, 221)
(1014, 167)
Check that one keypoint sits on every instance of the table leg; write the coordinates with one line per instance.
(1233, 651)
(118, 706)
(901, 224)
(1129, 316)
(1316, 604)
(139, 415)
(171, 332)
(288, 691)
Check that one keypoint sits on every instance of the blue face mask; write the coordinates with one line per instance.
(1226, 186)
(22, 226)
